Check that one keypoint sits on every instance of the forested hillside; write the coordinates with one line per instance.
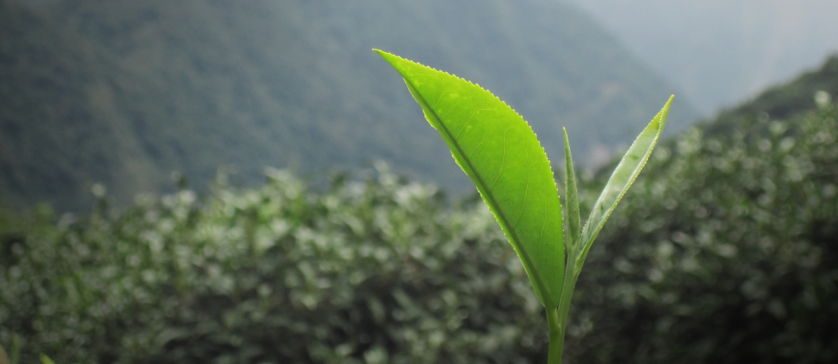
(125, 92)
(723, 252)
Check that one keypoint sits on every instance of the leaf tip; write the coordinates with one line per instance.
(663, 114)
(387, 56)
(669, 102)
(398, 63)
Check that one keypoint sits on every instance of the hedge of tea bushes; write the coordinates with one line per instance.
(375, 271)
(725, 251)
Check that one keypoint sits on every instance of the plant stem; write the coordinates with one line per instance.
(557, 318)
(556, 348)
(564, 307)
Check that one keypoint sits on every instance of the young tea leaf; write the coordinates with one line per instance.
(499, 151)
(571, 195)
(621, 180)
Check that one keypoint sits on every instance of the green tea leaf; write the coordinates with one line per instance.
(571, 196)
(499, 151)
(46, 360)
(621, 180)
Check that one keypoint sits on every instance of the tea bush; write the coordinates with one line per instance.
(724, 252)
(367, 272)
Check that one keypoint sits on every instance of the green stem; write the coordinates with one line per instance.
(556, 348)
(564, 304)
(557, 318)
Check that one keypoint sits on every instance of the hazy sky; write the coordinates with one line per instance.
(721, 51)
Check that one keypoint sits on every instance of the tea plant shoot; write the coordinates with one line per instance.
(498, 150)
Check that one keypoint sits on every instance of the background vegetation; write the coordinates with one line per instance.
(724, 252)
(125, 92)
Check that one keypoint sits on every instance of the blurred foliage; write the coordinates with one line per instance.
(123, 92)
(724, 253)
(376, 271)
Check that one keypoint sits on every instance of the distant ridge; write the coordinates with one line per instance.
(785, 100)
(125, 92)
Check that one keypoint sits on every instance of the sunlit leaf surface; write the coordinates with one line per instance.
(499, 151)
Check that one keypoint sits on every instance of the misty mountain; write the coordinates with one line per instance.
(124, 92)
(722, 52)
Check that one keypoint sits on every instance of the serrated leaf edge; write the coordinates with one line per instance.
(488, 197)
(658, 122)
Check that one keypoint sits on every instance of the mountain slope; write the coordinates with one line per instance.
(190, 86)
(783, 101)
(719, 51)
(58, 130)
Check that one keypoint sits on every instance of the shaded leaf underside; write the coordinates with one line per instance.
(622, 178)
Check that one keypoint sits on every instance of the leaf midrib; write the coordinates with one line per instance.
(482, 188)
